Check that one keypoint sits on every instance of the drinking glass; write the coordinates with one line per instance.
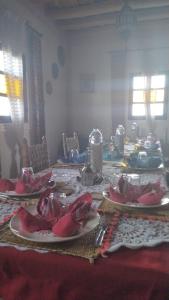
(134, 179)
(142, 155)
(27, 174)
(74, 156)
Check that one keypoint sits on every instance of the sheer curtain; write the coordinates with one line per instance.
(11, 133)
(36, 112)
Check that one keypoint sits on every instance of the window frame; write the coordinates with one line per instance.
(4, 119)
(8, 118)
(147, 100)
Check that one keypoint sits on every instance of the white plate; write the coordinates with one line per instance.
(164, 201)
(64, 175)
(46, 236)
(14, 194)
(146, 169)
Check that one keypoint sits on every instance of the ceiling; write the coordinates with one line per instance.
(78, 14)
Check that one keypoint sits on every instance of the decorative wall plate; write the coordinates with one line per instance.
(61, 55)
(55, 70)
(49, 88)
(87, 82)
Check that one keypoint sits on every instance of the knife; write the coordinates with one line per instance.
(100, 236)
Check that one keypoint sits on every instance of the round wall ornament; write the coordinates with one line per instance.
(49, 88)
(55, 70)
(61, 55)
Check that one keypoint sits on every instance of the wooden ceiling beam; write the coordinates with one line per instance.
(82, 11)
(136, 4)
(143, 15)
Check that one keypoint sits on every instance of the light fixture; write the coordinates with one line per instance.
(125, 20)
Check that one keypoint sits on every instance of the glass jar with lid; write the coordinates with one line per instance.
(96, 151)
(87, 174)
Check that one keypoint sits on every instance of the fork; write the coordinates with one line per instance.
(100, 235)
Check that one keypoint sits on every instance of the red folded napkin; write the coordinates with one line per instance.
(83, 199)
(116, 196)
(22, 188)
(151, 198)
(35, 184)
(30, 223)
(150, 193)
(52, 215)
(66, 226)
(6, 185)
(130, 191)
(39, 181)
(77, 214)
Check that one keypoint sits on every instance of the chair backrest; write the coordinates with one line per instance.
(35, 156)
(69, 143)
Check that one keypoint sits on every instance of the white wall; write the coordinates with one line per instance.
(89, 56)
(105, 54)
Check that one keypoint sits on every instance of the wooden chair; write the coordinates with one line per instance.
(69, 143)
(35, 156)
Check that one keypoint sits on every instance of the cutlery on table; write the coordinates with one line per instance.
(100, 235)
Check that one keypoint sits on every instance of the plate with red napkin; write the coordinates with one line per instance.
(126, 194)
(49, 221)
(20, 188)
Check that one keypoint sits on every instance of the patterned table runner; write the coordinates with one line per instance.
(83, 247)
(132, 229)
(119, 224)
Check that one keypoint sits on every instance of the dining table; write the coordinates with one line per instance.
(80, 270)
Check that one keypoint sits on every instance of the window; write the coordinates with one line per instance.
(10, 86)
(148, 96)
